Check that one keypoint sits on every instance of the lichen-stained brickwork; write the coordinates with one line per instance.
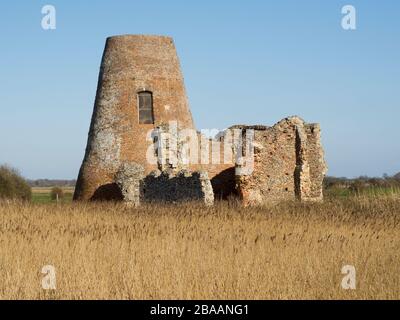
(130, 64)
(129, 179)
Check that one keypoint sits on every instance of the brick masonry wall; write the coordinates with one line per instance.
(288, 164)
(130, 64)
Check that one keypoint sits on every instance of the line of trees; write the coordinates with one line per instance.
(48, 183)
(363, 182)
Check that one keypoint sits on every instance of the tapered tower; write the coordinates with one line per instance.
(140, 87)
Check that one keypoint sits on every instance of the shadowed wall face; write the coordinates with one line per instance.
(140, 87)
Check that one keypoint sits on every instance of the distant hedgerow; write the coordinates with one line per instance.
(13, 185)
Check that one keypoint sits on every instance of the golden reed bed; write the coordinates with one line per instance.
(106, 251)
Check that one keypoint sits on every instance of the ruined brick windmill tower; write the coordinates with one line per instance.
(140, 86)
(140, 93)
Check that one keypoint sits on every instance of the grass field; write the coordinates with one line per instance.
(290, 250)
(43, 195)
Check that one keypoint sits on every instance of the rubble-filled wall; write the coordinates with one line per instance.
(177, 149)
(172, 182)
(167, 186)
(288, 164)
(264, 164)
(129, 180)
(162, 186)
(315, 156)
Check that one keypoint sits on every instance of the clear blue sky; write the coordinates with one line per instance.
(243, 62)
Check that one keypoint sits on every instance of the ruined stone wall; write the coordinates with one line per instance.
(129, 180)
(167, 186)
(222, 174)
(172, 182)
(130, 64)
(288, 157)
(315, 156)
(288, 164)
(264, 164)
(179, 149)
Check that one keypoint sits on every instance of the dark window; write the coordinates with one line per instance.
(146, 107)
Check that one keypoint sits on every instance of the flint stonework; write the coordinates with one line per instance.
(141, 110)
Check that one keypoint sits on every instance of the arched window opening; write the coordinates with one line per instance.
(146, 107)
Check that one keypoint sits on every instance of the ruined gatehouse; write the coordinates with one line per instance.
(143, 145)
